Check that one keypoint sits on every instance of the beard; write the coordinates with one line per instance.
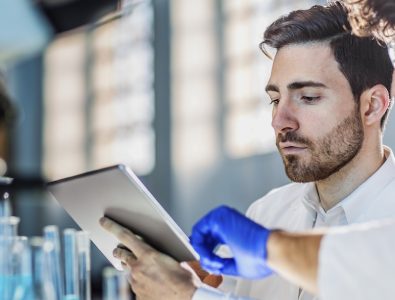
(328, 154)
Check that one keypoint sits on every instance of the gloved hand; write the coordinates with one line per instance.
(245, 238)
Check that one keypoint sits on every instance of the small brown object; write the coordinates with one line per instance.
(205, 277)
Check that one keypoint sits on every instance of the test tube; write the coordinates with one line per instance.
(20, 263)
(8, 231)
(43, 286)
(3, 268)
(15, 268)
(9, 226)
(84, 259)
(115, 285)
(71, 264)
(51, 234)
(5, 205)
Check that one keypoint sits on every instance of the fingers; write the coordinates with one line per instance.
(125, 236)
(203, 240)
(120, 245)
(124, 266)
(125, 256)
(229, 267)
(206, 237)
(208, 259)
(209, 229)
(212, 263)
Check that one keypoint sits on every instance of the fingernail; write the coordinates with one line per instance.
(102, 220)
(115, 252)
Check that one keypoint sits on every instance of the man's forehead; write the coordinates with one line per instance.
(304, 62)
(305, 54)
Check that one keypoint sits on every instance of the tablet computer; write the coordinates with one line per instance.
(117, 193)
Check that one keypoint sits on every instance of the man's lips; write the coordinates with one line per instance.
(291, 148)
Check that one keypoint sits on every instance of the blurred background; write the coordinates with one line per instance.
(174, 89)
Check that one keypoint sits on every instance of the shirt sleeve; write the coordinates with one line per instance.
(358, 262)
(208, 293)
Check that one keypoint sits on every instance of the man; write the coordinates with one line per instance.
(330, 96)
(355, 262)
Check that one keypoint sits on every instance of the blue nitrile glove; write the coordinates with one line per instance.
(245, 238)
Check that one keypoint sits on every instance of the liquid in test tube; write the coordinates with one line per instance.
(84, 257)
(43, 286)
(115, 285)
(71, 264)
(51, 234)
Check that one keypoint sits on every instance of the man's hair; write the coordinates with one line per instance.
(7, 110)
(375, 17)
(362, 60)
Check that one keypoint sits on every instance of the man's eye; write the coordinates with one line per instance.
(310, 99)
(274, 101)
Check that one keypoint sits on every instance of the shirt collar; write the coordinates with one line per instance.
(355, 204)
(310, 199)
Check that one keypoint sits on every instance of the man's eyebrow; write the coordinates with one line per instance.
(301, 84)
(295, 86)
(272, 88)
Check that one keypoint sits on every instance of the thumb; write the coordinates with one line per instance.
(211, 263)
(229, 267)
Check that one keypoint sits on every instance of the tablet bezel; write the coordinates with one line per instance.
(86, 187)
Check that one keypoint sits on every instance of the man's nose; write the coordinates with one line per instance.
(284, 118)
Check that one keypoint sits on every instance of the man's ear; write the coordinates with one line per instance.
(374, 103)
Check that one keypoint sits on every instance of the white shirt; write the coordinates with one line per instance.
(358, 262)
(296, 207)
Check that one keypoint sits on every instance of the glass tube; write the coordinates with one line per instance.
(20, 263)
(71, 264)
(51, 234)
(43, 286)
(9, 226)
(15, 268)
(84, 259)
(8, 233)
(5, 205)
(115, 285)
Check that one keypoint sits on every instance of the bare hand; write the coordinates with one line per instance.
(152, 275)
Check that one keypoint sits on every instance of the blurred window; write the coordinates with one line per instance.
(246, 70)
(219, 104)
(99, 97)
(194, 83)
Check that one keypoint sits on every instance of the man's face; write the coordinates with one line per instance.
(316, 120)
